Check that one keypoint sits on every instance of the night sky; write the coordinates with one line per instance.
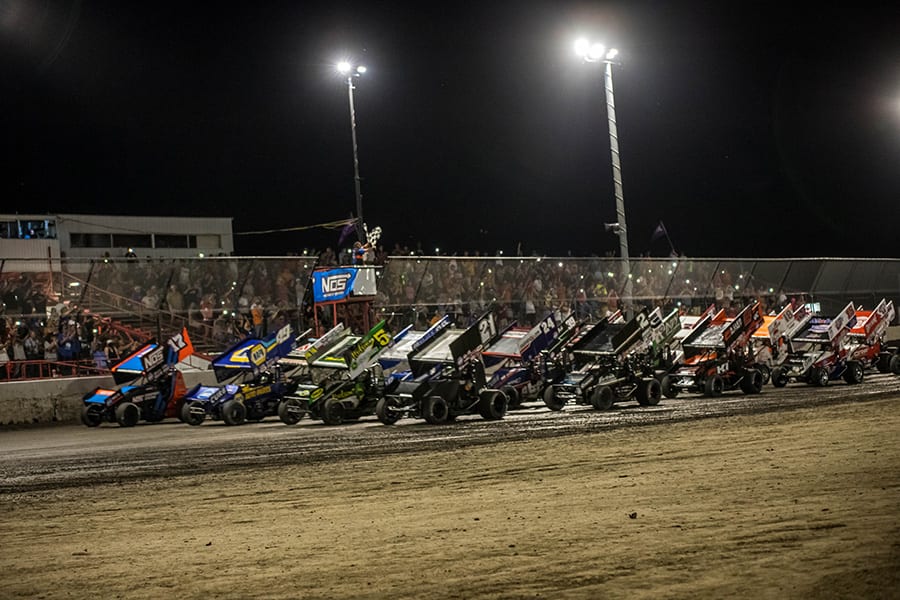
(749, 129)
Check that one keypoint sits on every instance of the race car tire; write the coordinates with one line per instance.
(127, 414)
(713, 386)
(752, 382)
(512, 396)
(884, 362)
(649, 392)
(234, 412)
(668, 390)
(255, 414)
(290, 411)
(333, 412)
(492, 405)
(819, 377)
(193, 412)
(779, 378)
(386, 410)
(602, 398)
(552, 401)
(853, 374)
(92, 415)
(895, 364)
(435, 410)
(179, 404)
(766, 373)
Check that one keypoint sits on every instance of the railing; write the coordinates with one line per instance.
(24, 370)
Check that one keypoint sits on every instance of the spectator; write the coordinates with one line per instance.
(50, 347)
(33, 351)
(112, 352)
(257, 315)
(175, 300)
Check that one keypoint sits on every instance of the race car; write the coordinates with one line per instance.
(512, 361)
(769, 343)
(448, 377)
(252, 382)
(343, 381)
(716, 356)
(155, 387)
(866, 339)
(818, 352)
(616, 360)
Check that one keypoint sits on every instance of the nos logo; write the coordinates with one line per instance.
(335, 284)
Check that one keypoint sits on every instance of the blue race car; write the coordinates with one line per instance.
(253, 383)
(153, 390)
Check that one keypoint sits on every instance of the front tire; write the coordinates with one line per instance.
(290, 411)
(669, 390)
(92, 415)
(853, 374)
(193, 412)
(552, 401)
(779, 377)
(386, 411)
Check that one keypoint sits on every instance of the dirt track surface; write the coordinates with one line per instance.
(791, 494)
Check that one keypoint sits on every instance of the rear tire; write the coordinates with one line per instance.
(513, 400)
(819, 377)
(752, 382)
(127, 414)
(884, 362)
(92, 414)
(234, 412)
(895, 364)
(333, 412)
(649, 392)
(602, 398)
(492, 405)
(714, 386)
(435, 410)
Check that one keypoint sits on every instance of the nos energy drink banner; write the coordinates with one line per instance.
(334, 284)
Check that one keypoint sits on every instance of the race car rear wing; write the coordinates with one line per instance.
(365, 352)
(722, 333)
(823, 330)
(254, 354)
(871, 325)
(524, 344)
(152, 360)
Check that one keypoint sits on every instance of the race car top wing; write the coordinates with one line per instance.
(142, 362)
(365, 352)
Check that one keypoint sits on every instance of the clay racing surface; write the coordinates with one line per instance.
(791, 494)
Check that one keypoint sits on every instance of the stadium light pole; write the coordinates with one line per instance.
(598, 53)
(345, 68)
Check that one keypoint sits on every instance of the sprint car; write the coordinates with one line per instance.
(818, 352)
(151, 387)
(716, 356)
(448, 377)
(343, 381)
(252, 382)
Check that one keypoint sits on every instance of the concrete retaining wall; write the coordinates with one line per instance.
(48, 401)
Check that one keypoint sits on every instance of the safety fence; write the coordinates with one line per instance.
(221, 299)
